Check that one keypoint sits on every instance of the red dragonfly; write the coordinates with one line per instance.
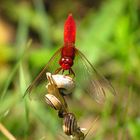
(69, 60)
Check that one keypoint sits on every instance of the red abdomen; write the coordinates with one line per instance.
(69, 30)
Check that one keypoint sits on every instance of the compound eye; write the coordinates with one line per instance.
(70, 61)
(67, 59)
(63, 59)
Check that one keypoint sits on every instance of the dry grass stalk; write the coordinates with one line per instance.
(56, 100)
(6, 133)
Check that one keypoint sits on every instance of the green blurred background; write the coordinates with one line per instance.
(108, 33)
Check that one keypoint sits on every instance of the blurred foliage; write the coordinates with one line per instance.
(108, 33)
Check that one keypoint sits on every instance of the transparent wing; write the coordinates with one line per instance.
(88, 78)
(38, 87)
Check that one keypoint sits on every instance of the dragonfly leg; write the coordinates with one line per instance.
(58, 70)
(71, 72)
(62, 71)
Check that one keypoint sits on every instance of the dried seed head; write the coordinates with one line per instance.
(69, 124)
(53, 102)
(64, 83)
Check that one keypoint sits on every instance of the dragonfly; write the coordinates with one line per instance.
(69, 60)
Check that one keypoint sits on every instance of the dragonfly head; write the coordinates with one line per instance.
(66, 63)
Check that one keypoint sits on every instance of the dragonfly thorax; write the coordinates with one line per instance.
(66, 63)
